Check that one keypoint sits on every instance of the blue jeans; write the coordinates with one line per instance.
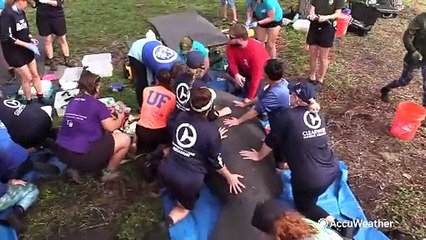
(408, 75)
(24, 196)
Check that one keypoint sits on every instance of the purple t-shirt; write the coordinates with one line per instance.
(82, 124)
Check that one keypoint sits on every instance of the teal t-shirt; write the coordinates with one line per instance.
(261, 9)
(196, 46)
(2, 4)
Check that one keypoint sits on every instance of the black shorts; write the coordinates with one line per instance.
(51, 25)
(18, 56)
(185, 185)
(149, 139)
(321, 35)
(270, 24)
(95, 159)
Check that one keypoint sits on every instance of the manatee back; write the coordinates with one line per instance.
(260, 178)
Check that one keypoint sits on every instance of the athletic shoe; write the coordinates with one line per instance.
(109, 175)
(74, 175)
(384, 94)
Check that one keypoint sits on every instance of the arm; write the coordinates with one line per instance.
(333, 16)
(271, 14)
(252, 113)
(264, 151)
(256, 74)
(232, 62)
(54, 3)
(409, 35)
(109, 123)
(249, 13)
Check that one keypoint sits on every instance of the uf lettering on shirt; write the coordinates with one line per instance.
(21, 25)
(157, 99)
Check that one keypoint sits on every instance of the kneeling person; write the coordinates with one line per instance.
(301, 137)
(196, 147)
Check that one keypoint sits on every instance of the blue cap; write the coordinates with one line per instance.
(305, 91)
(195, 59)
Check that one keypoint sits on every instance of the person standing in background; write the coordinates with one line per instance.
(268, 16)
(415, 42)
(321, 35)
(231, 5)
(19, 47)
(50, 19)
(10, 69)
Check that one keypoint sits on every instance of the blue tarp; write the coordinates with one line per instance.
(337, 200)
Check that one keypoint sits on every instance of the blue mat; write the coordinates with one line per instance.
(337, 200)
(7, 233)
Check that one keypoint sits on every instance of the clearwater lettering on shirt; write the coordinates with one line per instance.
(301, 136)
(248, 62)
(158, 104)
(82, 123)
(196, 143)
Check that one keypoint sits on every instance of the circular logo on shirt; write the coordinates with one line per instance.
(312, 120)
(186, 135)
(163, 54)
(12, 103)
(183, 93)
(330, 2)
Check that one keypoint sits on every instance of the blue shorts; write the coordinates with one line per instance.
(229, 3)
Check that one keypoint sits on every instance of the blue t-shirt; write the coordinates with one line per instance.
(12, 156)
(2, 4)
(196, 46)
(301, 137)
(196, 143)
(261, 9)
(156, 56)
(273, 97)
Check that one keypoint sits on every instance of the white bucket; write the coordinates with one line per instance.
(99, 64)
(301, 25)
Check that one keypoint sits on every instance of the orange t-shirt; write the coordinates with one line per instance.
(158, 104)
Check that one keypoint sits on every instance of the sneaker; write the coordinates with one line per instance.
(109, 175)
(384, 94)
(16, 222)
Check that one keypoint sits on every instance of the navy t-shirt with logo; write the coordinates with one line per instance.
(14, 25)
(27, 124)
(302, 138)
(196, 143)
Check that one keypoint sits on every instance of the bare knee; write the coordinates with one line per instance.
(122, 141)
(48, 40)
(270, 45)
(62, 39)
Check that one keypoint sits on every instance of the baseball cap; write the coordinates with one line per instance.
(266, 213)
(195, 59)
(186, 44)
(305, 91)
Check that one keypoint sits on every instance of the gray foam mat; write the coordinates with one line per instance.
(173, 27)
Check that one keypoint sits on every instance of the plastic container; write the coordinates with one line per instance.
(62, 99)
(302, 25)
(46, 86)
(408, 117)
(342, 25)
(100, 64)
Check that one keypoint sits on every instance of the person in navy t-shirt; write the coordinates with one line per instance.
(196, 148)
(301, 136)
(146, 57)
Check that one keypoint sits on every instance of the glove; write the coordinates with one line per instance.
(34, 48)
(248, 23)
(43, 1)
(252, 25)
(418, 57)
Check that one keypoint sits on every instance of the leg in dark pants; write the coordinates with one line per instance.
(406, 77)
(424, 84)
(306, 203)
(139, 72)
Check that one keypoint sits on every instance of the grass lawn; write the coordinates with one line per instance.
(67, 211)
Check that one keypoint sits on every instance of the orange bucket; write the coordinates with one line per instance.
(342, 25)
(407, 120)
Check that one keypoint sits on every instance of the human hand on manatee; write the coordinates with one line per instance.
(240, 104)
(15, 182)
(235, 186)
(222, 132)
(230, 122)
(250, 155)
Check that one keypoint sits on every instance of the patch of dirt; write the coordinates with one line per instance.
(359, 122)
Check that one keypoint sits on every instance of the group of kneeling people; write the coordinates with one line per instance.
(170, 121)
